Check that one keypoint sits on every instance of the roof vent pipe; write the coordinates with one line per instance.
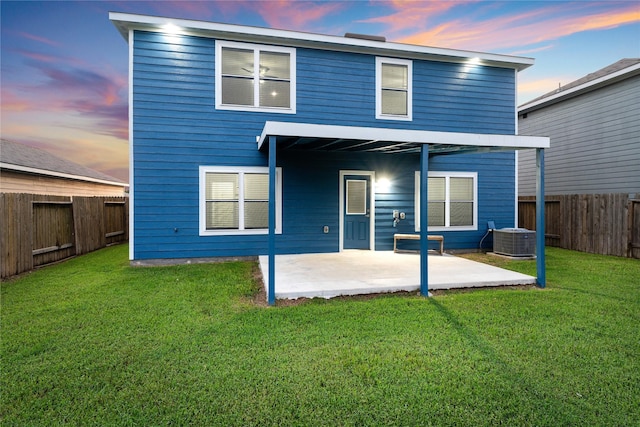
(365, 37)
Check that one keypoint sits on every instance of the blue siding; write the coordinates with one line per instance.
(495, 198)
(311, 196)
(176, 129)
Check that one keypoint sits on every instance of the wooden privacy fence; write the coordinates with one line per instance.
(607, 224)
(41, 229)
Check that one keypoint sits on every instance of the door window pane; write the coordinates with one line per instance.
(356, 197)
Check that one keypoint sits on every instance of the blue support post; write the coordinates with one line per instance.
(271, 298)
(540, 229)
(424, 221)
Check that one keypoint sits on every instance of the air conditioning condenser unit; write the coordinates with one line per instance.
(517, 242)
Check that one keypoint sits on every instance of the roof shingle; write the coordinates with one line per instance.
(12, 153)
(609, 69)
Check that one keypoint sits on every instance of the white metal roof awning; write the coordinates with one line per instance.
(315, 137)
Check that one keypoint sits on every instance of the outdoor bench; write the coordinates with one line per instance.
(399, 236)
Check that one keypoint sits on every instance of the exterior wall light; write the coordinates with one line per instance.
(171, 28)
(383, 185)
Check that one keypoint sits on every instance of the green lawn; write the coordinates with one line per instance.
(92, 341)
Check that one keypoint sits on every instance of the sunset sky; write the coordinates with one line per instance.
(64, 65)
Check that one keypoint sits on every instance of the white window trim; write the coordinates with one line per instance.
(447, 176)
(256, 80)
(237, 169)
(409, 64)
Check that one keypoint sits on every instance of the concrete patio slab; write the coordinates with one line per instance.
(354, 272)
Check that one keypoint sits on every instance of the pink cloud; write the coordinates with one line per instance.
(13, 102)
(412, 14)
(99, 99)
(98, 153)
(532, 50)
(196, 10)
(39, 39)
(525, 29)
(294, 15)
(285, 14)
(201, 10)
(542, 85)
(81, 81)
(228, 9)
(39, 56)
(604, 20)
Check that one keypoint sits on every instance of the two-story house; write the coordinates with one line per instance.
(248, 141)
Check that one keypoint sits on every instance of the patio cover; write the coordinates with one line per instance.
(316, 137)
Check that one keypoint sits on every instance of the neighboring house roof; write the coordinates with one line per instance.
(23, 158)
(610, 74)
(350, 43)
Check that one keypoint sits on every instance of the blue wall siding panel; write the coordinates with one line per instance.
(312, 200)
(176, 129)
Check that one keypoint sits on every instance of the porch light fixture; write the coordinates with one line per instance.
(470, 64)
(383, 185)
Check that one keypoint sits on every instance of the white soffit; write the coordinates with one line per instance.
(125, 21)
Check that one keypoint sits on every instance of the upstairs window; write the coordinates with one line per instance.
(394, 89)
(452, 198)
(253, 77)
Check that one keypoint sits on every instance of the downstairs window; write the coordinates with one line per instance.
(235, 200)
(452, 198)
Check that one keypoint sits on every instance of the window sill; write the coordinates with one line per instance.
(462, 228)
(256, 109)
(236, 232)
(391, 117)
